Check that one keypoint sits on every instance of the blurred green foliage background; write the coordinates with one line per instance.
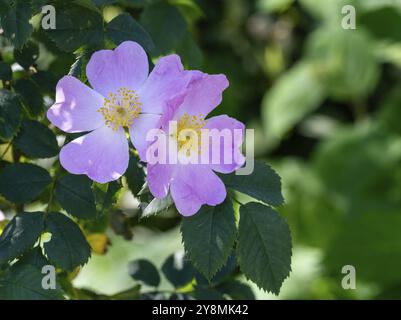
(325, 104)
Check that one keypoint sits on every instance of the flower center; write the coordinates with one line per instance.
(189, 132)
(121, 109)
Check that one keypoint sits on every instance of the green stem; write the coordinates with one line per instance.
(53, 187)
(236, 200)
(5, 151)
(51, 197)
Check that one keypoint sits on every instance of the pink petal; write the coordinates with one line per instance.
(139, 130)
(230, 150)
(195, 185)
(125, 66)
(204, 94)
(102, 155)
(159, 178)
(75, 109)
(167, 80)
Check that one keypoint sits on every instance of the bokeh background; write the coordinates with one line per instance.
(325, 104)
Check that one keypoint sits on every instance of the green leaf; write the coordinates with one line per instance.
(209, 237)
(20, 234)
(30, 95)
(76, 27)
(286, 103)
(144, 271)
(75, 195)
(264, 246)
(178, 270)
(10, 114)
(166, 26)
(24, 282)
(35, 258)
(35, 140)
(135, 175)
(23, 182)
(77, 69)
(68, 247)
(236, 290)
(157, 206)
(124, 27)
(15, 21)
(46, 81)
(222, 275)
(6, 74)
(27, 56)
(263, 184)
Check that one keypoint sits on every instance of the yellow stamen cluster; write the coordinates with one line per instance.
(121, 109)
(194, 124)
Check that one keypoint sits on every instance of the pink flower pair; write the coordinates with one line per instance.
(126, 97)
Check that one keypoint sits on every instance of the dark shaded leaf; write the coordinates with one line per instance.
(35, 140)
(68, 247)
(6, 73)
(209, 237)
(76, 27)
(166, 26)
(135, 175)
(124, 27)
(237, 290)
(75, 195)
(144, 271)
(31, 96)
(263, 184)
(23, 182)
(10, 114)
(15, 16)
(24, 282)
(27, 56)
(20, 234)
(222, 275)
(178, 270)
(264, 246)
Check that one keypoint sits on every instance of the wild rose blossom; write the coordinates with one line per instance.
(192, 185)
(124, 96)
